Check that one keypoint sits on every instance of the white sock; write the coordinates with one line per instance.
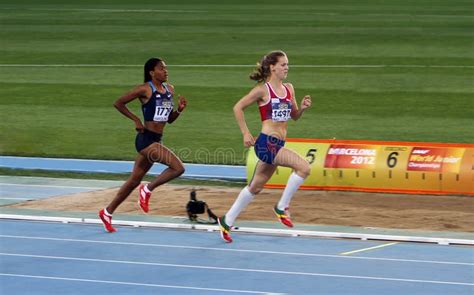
(107, 212)
(244, 198)
(292, 186)
(145, 188)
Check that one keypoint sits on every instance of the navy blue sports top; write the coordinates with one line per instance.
(159, 106)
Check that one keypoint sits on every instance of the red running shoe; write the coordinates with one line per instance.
(224, 229)
(143, 199)
(283, 216)
(107, 221)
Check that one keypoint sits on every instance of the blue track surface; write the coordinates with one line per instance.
(103, 166)
(56, 258)
(82, 259)
(19, 189)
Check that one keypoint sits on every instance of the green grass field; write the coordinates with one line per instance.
(63, 63)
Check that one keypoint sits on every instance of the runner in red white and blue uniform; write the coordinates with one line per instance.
(277, 104)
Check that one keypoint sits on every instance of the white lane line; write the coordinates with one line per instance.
(419, 15)
(131, 283)
(234, 250)
(343, 14)
(368, 249)
(51, 186)
(8, 177)
(236, 269)
(109, 10)
(230, 66)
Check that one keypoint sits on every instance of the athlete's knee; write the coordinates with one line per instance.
(178, 169)
(304, 171)
(255, 189)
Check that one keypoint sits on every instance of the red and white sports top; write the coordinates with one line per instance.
(277, 108)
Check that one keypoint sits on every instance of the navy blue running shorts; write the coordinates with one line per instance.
(145, 139)
(267, 147)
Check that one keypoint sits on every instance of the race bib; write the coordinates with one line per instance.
(280, 112)
(162, 113)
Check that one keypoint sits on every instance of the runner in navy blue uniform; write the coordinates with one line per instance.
(277, 104)
(156, 97)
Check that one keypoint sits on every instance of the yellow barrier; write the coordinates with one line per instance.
(380, 166)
